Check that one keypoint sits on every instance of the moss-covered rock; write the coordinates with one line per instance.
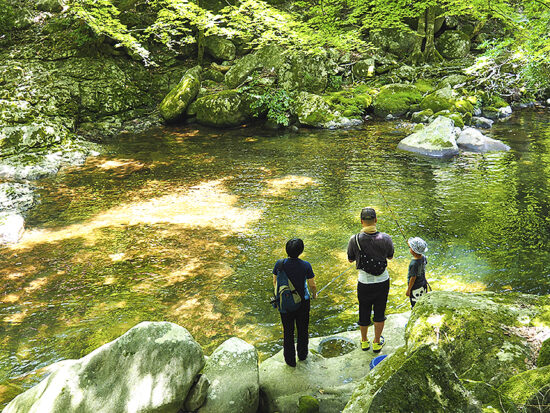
(438, 139)
(220, 48)
(492, 400)
(424, 85)
(544, 354)
(308, 404)
(422, 116)
(464, 106)
(350, 103)
(305, 72)
(417, 381)
(226, 108)
(175, 103)
(313, 110)
(452, 81)
(21, 138)
(479, 331)
(364, 69)
(527, 385)
(453, 44)
(213, 74)
(395, 99)
(441, 99)
(457, 119)
(396, 41)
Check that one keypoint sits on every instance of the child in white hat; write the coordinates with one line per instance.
(417, 284)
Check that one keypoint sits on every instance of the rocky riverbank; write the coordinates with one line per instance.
(456, 352)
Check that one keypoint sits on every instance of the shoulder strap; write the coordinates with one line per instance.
(357, 241)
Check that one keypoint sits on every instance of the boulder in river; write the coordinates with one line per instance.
(149, 369)
(419, 381)
(175, 103)
(232, 371)
(481, 122)
(222, 109)
(395, 100)
(438, 139)
(313, 110)
(471, 139)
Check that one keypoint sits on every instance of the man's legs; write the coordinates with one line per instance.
(378, 328)
(380, 308)
(288, 338)
(302, 324)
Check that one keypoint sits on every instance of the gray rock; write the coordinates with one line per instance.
(418, 381)
(15, 197)
(438, 139)
(364, 69)
(453, 44)
(330, 379)
(395, 41)
(197, 394)
(405, 72)
(175, 103)
(452, 81)
(232, 370)
(477, 112)
(12, 226)
(21, 138)
(471, 139)
(481, 122)
(220, 48)
(149, 369)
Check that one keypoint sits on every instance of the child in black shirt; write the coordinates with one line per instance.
(417, 284)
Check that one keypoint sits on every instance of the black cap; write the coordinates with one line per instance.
(368, 214)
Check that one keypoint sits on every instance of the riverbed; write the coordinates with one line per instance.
(184, 224)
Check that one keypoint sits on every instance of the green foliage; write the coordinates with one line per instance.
(102, 17)
(276, 104)
(7, 17)
(334, 83)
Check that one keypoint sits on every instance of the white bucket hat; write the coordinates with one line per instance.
(418, 245)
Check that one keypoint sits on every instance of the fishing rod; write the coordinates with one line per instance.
(391, 211)
(335, 278)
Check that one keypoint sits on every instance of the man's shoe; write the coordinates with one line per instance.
(365, 345)
(376, 347)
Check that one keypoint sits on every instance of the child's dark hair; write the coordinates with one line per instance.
(294, 247)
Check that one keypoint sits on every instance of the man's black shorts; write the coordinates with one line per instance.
(372, 297)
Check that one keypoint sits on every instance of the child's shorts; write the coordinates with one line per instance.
(417, 293)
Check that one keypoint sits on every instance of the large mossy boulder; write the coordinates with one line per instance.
(223, 109)
(149, 369)
(174, 105)
(330, 373)
(441, 99)
(471, 139)
(364, 69)
(395, 100)
(453, 44)
(438, 139)
(396, 41)
(418, 381)
(482, 333)
(306, 72)
(268, 59)
(313, 110)
(529, 389)
(232, 371)
(220, 48)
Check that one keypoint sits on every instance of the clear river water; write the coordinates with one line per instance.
(184, 225)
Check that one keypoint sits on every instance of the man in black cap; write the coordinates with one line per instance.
(371, 249)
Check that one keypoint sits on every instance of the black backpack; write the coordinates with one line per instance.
(287, 298)
(369, 264)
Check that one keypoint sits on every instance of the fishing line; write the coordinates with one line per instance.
(391, 211)
(335, 278)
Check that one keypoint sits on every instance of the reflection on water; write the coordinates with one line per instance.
(184, 225)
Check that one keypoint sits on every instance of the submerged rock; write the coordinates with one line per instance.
(471, 139)
(232, 371)
(149, 369)
(176, 102)
(331, 380)
(438, 139)
(419, 381)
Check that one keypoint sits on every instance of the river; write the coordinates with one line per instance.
(184, 225)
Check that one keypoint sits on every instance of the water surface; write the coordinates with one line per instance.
(185, 224)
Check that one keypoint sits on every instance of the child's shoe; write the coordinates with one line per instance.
(376, 347)
(365, 345)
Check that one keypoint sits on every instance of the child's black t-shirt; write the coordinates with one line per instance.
(417, 268)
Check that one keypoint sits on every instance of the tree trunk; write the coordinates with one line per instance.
(430, 52)
(417, 56)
